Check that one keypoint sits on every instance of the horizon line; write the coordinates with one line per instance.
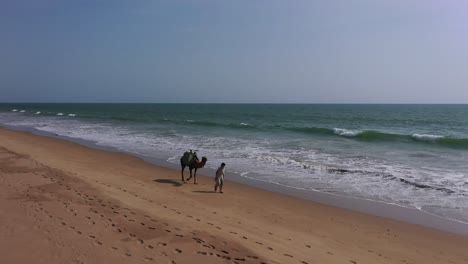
(251, 103)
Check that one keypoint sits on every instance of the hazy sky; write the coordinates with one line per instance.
(312, 51)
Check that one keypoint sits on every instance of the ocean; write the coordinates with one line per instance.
(414, 156)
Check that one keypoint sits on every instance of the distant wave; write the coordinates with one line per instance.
(241, 125)
(38, 112)
(71, 115)
(59, 114)
(372, 135)
(124, 118)
(425, 137)
(345, 133)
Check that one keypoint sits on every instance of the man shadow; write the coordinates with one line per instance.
(169, 181)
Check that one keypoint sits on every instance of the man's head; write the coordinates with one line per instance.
(223, 164)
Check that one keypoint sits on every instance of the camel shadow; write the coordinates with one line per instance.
(169, 181)
(204, 191)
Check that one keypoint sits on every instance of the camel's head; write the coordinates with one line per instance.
(204, 160)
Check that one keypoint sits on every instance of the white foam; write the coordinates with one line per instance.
(245, 124)
(426, 137)
(14, 110)
(71, 114)
(22, 111)
(38, 112)
(60, 114)
(345, 133)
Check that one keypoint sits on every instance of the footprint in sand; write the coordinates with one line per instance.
(198, 240)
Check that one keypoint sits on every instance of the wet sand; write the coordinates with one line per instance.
(65, 203)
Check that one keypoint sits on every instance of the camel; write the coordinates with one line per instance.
(194, 164)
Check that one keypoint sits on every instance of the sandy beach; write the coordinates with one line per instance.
(65, 203)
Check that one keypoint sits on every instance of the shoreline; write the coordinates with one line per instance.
(71, 203)
(371, 207)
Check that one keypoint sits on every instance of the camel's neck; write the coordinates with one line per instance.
(199, 164)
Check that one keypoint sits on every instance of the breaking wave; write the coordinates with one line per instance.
(373, 135)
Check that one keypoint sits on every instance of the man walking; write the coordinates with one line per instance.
(219, 179)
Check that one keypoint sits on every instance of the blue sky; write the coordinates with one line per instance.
(314, 51)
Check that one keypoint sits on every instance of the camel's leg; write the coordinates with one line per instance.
(182, 172)
(195, 176)
(190, 169)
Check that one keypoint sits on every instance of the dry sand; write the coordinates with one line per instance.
(61, 202)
